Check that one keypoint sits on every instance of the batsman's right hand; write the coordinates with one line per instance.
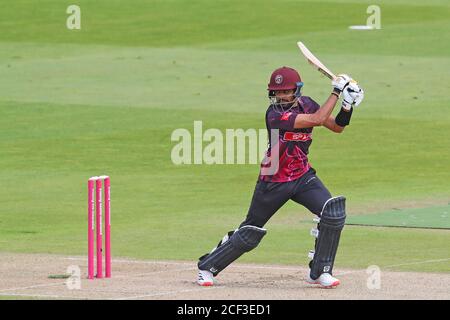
(353, 95)
(340, 82)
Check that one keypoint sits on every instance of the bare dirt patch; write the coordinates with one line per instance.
(27, 275)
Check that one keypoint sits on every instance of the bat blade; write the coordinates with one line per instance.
(314, 61)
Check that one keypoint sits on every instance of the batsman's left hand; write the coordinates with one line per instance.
(340, 82)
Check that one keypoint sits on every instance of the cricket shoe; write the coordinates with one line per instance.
(205, 278)
(325, 280)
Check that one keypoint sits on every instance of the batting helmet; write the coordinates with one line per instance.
(284, 78)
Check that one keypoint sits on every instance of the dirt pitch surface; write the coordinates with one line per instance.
(27, 275)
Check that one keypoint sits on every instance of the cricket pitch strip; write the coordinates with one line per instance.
(32, 276)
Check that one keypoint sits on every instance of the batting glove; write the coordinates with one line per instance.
(340, 82)
(353, 95)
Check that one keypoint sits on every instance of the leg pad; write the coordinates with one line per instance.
(332, 222)
(242, 240)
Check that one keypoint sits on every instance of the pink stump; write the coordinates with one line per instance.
(90, 229)
(107, 227)
(98, 208)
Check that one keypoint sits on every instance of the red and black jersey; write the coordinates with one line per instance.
(293, 143)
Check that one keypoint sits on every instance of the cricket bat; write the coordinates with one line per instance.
(314, 61)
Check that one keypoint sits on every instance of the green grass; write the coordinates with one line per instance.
(432, 217)
(106, 99)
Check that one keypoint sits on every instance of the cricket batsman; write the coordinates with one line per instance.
(292, 117)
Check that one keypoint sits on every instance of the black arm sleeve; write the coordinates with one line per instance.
(343, 117)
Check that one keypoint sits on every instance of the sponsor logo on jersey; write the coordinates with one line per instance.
(285, 116)
(297, 136)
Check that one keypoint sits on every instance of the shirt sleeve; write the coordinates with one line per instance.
(285, 120)
(309, 105)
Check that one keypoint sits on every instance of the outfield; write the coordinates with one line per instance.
(105, 100)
